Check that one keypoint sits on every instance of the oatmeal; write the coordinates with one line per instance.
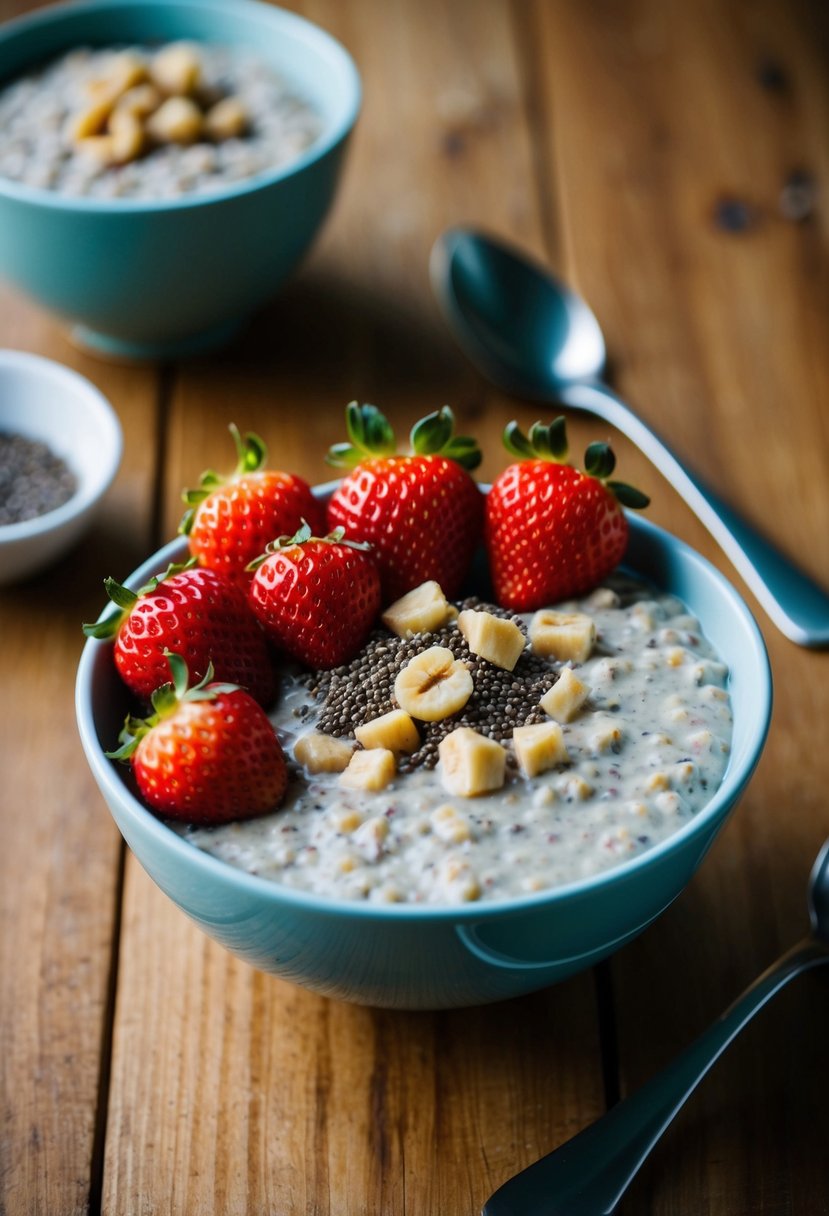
(151, 122)
(609, 732)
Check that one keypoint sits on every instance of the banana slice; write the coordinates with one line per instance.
(433, 685)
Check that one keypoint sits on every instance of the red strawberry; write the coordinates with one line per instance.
(422, 512)
(232, 519)
(200, 615)
(553, 532)
(316, 597)
(207, 754)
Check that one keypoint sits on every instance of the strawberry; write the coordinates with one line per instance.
(422, 512)
(553, 532)
(232, 519)
(200, 615)
(316, 597)
(207, 754)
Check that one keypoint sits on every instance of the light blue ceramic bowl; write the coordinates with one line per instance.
(427, 957)
(147, 279)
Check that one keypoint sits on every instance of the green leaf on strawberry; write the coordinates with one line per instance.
(543, 442)
(371, 435)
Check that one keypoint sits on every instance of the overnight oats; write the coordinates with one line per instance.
(423, 748)
(609, 733)
(151, 123)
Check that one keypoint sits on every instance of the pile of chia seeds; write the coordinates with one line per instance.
(33, 480)
(363, 689)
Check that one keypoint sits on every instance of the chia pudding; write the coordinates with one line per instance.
(640, 724)
(151, 123)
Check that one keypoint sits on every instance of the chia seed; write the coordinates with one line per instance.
(33, 480)
(364, 689)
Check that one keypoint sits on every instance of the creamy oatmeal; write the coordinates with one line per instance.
(151, 122)
(643, 742)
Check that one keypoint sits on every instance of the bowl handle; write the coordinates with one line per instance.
(470, 935)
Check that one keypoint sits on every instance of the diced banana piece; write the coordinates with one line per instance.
(539, 747)
(176, 68)
(91, 121)
(470, 763)
(227, 119)
(493, 638)
(421, 610)
(371, 770)
(320, 753)
(141, 100)
(127, 136)
(178, 120)
(562, 635)
(433, 685)
(99, 148)
(124, 71)
(564, 700)
(394, 730)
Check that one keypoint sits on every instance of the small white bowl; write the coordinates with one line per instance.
(43, 400)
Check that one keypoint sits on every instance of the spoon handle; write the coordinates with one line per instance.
(588, 1175)
(796, 604)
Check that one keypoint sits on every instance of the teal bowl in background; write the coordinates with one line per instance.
(428, 957)
(155, 279)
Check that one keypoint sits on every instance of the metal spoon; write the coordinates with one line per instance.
(536, 338)
(588, 1175)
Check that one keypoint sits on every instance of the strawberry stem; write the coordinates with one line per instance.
(304, 534)
(628, 496)
(251, 455)
(599, 460)
(370, 435)
(550, 443)
(165, 701)
(435, 435)
(542, 443)
(125, 599)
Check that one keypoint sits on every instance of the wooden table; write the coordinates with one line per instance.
(672, 161)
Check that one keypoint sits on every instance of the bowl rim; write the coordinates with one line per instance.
(333, 134)
(195, 859)
(89, 490)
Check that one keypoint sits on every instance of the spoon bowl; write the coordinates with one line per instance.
(524, 328)
(534, 337)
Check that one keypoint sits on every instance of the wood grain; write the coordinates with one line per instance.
(717, 337)
(644, 149)
(60, 868)
(338, 1109)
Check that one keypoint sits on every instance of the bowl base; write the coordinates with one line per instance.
(92, 341)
